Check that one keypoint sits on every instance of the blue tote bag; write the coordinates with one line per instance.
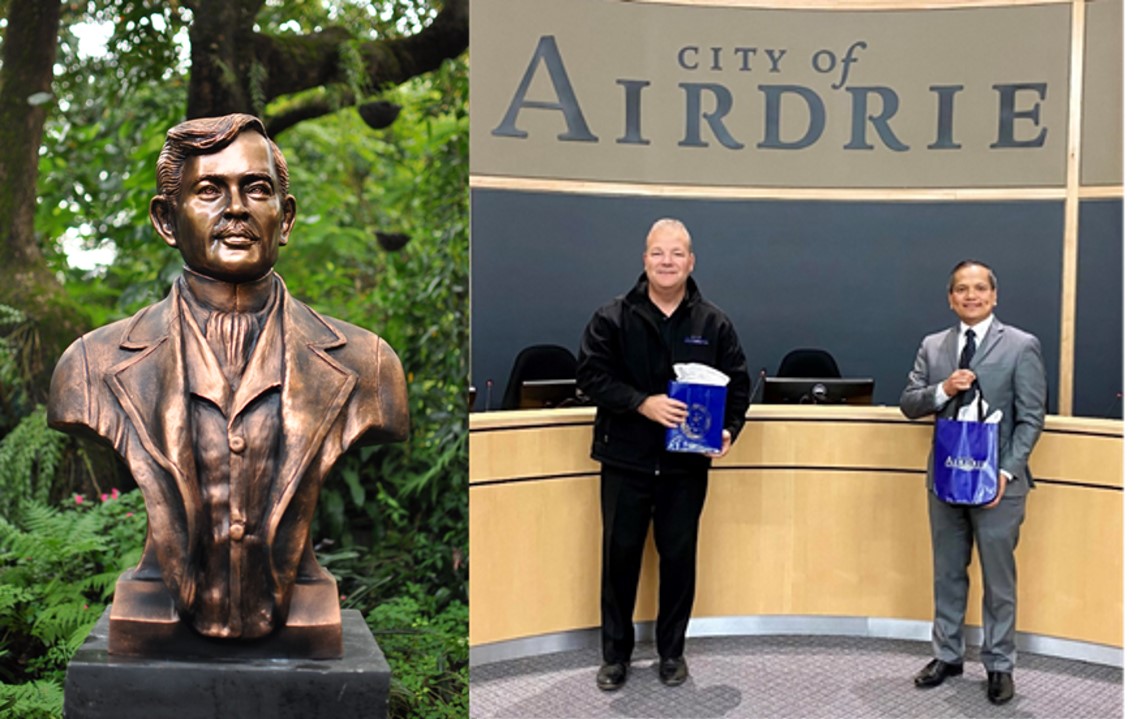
(966, 460)
(703, 430)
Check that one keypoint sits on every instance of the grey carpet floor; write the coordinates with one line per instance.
(778, 676)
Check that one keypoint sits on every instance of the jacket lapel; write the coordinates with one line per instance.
(947, 363)
(993, 336)
(948, 353)
(151, 387)
(315, 389)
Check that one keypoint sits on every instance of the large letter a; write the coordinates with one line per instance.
(566, 98)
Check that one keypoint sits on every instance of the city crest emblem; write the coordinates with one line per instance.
(698, 422)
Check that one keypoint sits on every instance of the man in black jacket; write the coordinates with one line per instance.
(625, 365)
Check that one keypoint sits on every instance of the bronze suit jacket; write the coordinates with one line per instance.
(126, 383)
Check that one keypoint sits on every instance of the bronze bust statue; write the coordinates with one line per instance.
(229, 401)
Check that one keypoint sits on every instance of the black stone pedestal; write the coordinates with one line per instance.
(110, 687)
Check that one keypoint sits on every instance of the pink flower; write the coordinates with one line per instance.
(130, 514)
(114, 493)
(79, 499)
(103, 497)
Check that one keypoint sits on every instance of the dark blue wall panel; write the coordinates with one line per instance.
(863, 280)
(1098, 340)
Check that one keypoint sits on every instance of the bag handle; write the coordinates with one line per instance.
(981, 399)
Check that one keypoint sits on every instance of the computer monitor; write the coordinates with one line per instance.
(809, 390)
(544, 393)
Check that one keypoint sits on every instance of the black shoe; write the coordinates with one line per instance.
(611, 677)
(999, 687)
(673, 672)
(936, 673)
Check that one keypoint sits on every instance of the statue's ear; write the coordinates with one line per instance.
(288, 213)
(163, 219)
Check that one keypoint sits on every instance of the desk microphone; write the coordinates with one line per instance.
(758, 384)
(488, 393)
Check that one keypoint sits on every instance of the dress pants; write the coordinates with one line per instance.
(672, 503)
(954, 531)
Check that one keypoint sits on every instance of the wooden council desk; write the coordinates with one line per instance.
(815, 511)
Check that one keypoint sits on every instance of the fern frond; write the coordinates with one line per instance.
(61, 620)
(35, 700)
(29, 456)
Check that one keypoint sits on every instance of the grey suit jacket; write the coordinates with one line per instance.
(1010, 372)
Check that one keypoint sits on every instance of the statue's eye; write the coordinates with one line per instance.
(208, 190)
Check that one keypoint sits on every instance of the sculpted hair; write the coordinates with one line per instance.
(971, 263)
(665, 223)
(203, 136)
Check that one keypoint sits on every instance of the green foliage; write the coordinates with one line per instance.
(144, 36)
(30, 453)
(97, 177)
(353, 67)
(40, 699)
(404, 504)
(428, 652)
(17, 352)
(29, 456)
(369, 19)
(58, 567)
(256, 82)
(395, 517)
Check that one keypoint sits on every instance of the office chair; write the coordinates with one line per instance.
(806, 362)
(537, 362)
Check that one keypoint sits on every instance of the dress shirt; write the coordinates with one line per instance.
(980, 330)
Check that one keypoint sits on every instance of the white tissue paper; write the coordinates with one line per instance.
(696, 373)
(969, 412)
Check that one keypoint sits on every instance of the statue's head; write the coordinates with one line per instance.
(223, 197)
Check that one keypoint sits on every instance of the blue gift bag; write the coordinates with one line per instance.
(703, 429)
(966, 461)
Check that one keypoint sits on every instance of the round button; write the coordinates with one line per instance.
(237, 530)
(237, 444)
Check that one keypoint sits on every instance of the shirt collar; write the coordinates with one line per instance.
(980, 329)
(264, 369)
(222, 296)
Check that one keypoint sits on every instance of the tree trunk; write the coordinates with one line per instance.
(224, 77)
(25, 77)
(28, 55)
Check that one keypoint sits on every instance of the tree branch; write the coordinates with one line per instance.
(308, 109)
(398, 60)
(303, 62)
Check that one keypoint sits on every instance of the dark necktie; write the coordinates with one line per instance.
(967, 351)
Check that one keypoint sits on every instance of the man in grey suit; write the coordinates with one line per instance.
(1006, 364)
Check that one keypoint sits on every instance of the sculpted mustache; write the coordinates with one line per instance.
(236, 229)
